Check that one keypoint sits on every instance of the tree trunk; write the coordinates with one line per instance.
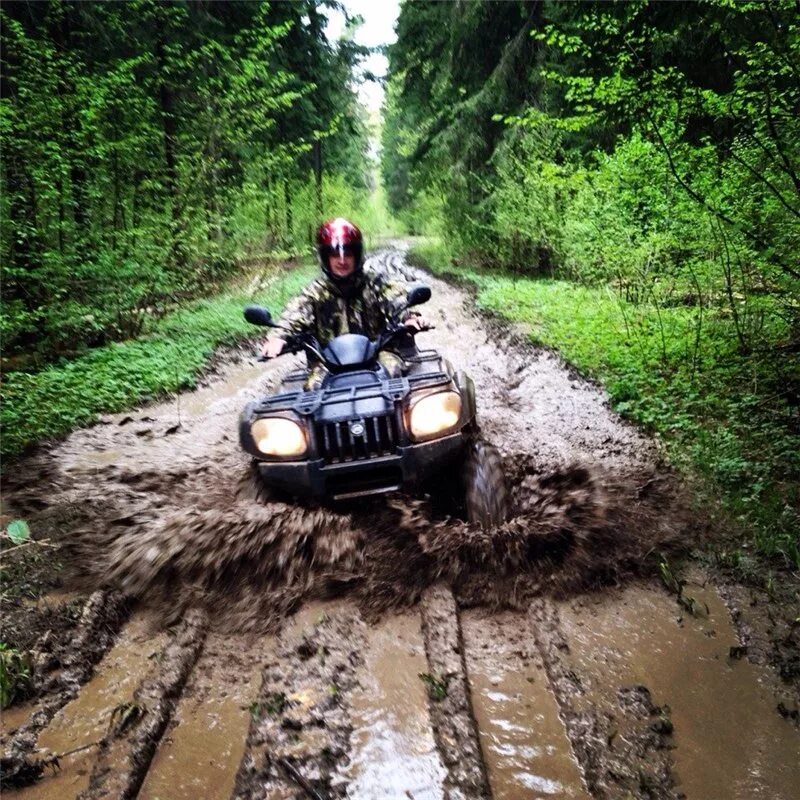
(167, 107)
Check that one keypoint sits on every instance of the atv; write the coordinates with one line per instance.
(365, 432)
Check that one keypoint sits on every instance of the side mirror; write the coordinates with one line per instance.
(418, 295)
(258, 315)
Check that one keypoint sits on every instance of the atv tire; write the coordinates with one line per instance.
(485, 494)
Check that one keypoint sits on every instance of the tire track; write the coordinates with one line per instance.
(101, 619)
(624, 751)
(300, 733)
(450, 706)
(125, 753)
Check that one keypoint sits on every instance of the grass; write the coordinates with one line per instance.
(715, 411)
(15, 674)
(50, 403)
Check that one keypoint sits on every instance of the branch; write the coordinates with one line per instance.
(764, 245)
(776, 27)
(775, 138)
(767, 183)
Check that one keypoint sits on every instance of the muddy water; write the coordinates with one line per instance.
(392, 749)
(175, 491)
(200, 754)
(12, 718)
(172, 434)
(528, 401)
(86, 719)
(524, 743)
(730, 742)
(179, 520)
(213, 399)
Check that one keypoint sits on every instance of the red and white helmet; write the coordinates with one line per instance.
(339, 236)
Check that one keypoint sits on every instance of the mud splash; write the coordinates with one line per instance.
(251, 563)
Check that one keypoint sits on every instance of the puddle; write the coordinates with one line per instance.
(86, 718)
(12, 718)
(525, 747)
(392, 751)
(200, 753)
(730, 742)
(202, 401)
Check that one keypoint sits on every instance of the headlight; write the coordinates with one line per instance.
(436, 413)
(278, 437)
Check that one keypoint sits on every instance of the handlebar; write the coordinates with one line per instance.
(294, 344)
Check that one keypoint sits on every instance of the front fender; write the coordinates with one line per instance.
(467, 388)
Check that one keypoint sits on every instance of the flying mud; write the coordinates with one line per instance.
(158, 511)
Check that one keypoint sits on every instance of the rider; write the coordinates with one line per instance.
(349, 298)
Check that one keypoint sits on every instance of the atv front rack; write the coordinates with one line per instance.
(307, 403)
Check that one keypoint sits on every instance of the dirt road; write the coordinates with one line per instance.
(212, 646)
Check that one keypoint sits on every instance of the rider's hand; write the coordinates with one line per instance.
(416, 322)
(273, 347)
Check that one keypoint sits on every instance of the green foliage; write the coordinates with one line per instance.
(648, 168)
(437, 686)
(18, 531)
(276, 703)
(167, 358)
(738, 440)
(15, 674)
(150, 147)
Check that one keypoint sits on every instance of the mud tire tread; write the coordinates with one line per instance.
(485, 492)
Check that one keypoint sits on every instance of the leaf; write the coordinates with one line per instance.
(18, 531)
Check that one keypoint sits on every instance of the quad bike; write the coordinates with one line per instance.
(365, 432)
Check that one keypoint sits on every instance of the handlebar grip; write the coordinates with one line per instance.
(263, 358)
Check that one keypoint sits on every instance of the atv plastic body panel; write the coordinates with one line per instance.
(356, 429)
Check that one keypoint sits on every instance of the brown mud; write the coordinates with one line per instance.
(640, 636)
(299, 735)
(82, 723)
(203, 746)
(159, 505)
(125, 753)
(451, 707)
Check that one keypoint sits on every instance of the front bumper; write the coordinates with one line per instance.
(411, 465)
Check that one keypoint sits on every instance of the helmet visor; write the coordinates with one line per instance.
(339, 250)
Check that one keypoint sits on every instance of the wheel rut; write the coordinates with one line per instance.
(237, 647)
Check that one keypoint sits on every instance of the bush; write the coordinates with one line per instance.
(739, 442)
(50, 403)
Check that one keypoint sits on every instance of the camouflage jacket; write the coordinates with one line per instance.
(321, 310)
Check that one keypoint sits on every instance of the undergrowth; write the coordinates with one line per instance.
(168, 358)
(717, 412)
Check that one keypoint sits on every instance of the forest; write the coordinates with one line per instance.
(151, 148)
(622, 178)
(548, 548)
